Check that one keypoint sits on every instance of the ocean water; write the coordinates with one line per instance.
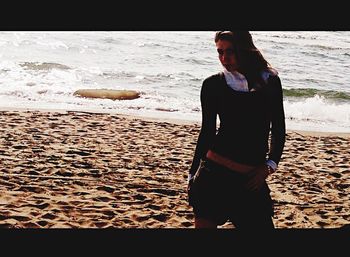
(43, 69)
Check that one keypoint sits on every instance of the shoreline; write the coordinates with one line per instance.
(168, 120)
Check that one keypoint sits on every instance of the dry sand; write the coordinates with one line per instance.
(86, 170)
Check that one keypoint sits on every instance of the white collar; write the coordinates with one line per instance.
(236, 81)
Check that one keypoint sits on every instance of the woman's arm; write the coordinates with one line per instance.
(208, 128)
(278, 127)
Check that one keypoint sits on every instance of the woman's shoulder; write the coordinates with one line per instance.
(214, 78)
(273, 81)
(269, 73)
(211, 85)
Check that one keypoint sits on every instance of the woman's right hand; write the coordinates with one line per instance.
(189, 187)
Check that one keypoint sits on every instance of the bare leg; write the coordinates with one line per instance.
(204, 223)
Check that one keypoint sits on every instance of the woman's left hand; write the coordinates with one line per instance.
(257, 177)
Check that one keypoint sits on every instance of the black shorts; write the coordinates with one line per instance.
(218, 194)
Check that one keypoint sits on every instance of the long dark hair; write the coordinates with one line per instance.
(249, 58)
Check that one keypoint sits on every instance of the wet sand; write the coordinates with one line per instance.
(96, 170)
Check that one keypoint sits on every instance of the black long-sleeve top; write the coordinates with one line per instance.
(246, 120)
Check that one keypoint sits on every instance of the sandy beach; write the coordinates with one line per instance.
(63, 169)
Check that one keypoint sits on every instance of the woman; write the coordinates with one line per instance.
(227, 179)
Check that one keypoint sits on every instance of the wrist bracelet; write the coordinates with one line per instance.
(270, 169)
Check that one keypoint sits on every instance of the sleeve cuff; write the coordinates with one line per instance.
(272, 164)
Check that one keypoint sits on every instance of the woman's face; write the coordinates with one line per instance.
(226, 55)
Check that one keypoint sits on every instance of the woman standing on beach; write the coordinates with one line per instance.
(227, 179)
